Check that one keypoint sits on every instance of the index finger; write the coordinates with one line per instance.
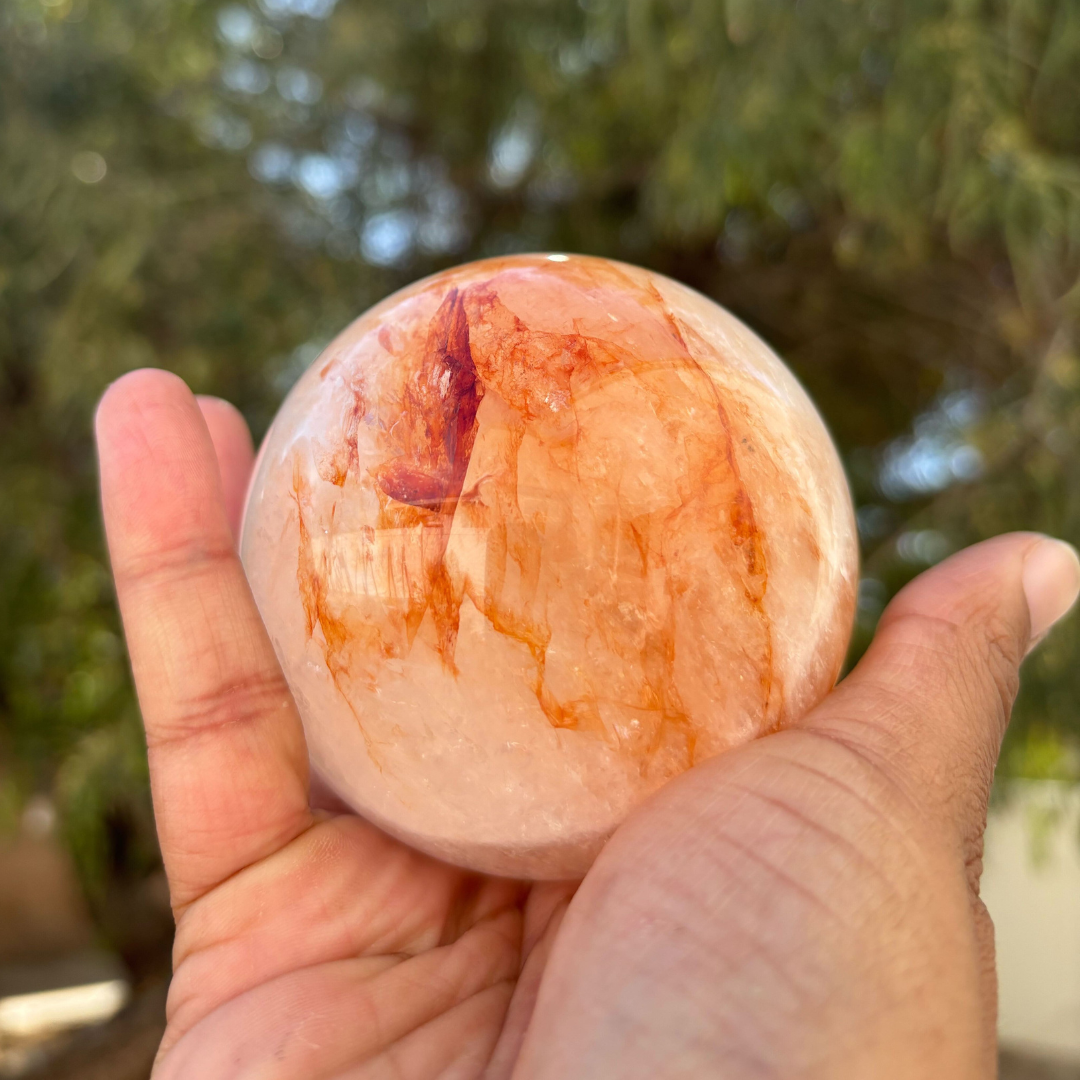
(228, 764)
(234, 452)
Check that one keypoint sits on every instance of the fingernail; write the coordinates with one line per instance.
(1051, 579)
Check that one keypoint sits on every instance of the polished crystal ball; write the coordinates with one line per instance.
(534, 536)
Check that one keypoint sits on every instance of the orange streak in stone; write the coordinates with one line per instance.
(748, 537)
(312, 586)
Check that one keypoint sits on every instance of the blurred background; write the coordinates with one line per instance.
(888, 191)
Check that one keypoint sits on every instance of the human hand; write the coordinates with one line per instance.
(805, 906)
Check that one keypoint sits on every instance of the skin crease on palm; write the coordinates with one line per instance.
(803, 907)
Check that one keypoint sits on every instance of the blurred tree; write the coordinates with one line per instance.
(888, 190)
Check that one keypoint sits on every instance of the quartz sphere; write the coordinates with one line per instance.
(534, 536)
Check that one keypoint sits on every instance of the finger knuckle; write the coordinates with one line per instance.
(178, 562)
(1000, 657)
(979, 650)
(232, 704)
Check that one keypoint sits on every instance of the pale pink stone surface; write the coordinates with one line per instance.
(534, 536)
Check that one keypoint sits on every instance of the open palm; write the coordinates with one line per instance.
(806, 906)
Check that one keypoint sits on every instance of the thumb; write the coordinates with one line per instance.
(929, 702)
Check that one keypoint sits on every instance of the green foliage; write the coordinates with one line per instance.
(889, 191)
(103, 786)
